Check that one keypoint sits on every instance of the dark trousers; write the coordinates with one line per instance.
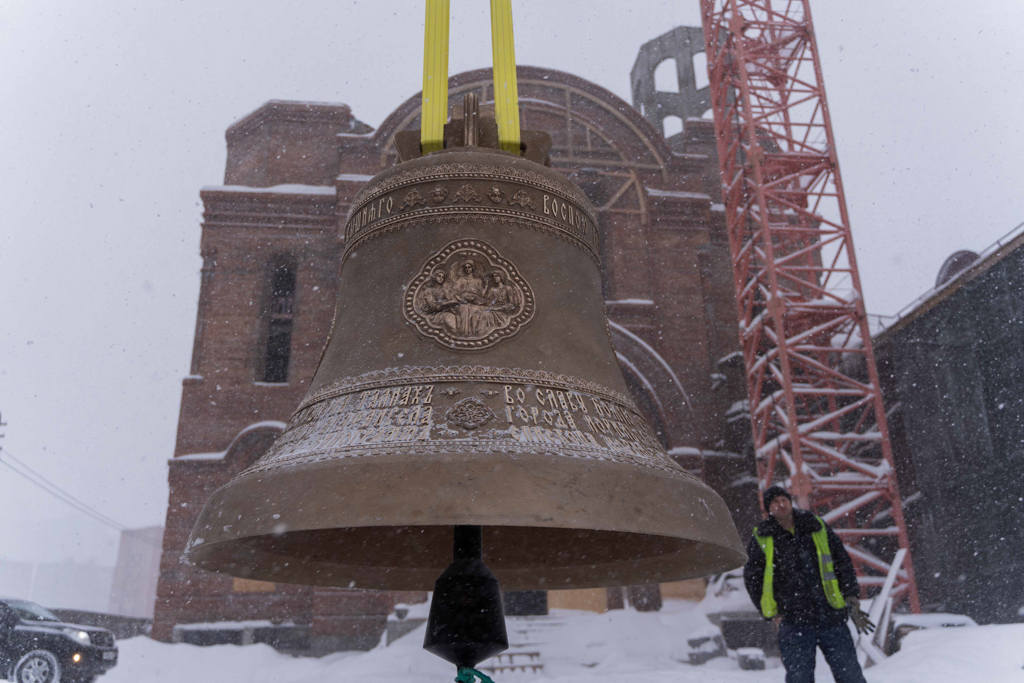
(798, 643)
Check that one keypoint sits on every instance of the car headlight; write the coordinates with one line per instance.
(77, 635)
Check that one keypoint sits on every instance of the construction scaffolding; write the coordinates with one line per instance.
(815, 401)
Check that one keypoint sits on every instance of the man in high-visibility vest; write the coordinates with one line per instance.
(800, 576)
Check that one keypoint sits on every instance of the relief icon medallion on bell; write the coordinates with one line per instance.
(468, 297)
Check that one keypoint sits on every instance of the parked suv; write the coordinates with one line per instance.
(37, 647)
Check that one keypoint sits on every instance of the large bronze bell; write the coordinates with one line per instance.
(469, 379)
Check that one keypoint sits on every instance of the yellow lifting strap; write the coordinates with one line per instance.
(506, 88)
(435, 76)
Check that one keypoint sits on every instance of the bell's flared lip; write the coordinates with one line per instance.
(549, 522)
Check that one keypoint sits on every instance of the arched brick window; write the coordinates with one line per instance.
(278, 312)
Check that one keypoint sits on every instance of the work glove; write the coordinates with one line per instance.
(860, 618)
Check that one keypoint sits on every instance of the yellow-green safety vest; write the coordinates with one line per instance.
(828, 574)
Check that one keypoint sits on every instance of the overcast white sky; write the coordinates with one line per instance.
(112, 116)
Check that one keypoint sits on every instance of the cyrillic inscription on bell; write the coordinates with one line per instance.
(469, 380)
(466, 407)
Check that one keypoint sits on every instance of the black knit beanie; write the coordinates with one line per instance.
(773, 493)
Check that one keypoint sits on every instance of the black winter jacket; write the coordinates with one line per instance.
(797, 579)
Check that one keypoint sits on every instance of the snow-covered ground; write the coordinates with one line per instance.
(622, 646)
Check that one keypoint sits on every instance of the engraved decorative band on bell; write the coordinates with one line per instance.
(456, 191)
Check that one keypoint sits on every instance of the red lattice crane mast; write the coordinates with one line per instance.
(815, 400)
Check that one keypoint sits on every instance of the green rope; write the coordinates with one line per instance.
(467, 675)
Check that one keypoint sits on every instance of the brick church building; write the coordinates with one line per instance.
(272, 240)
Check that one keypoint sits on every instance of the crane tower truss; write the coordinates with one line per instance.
(815, 401)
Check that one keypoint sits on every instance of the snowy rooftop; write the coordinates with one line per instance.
(996, 252)
(677, 194)
(274, 189)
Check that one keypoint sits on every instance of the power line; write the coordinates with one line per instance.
(74, 503)
(45, 484)
(30, 480)
(59, 492)
(80, 507)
